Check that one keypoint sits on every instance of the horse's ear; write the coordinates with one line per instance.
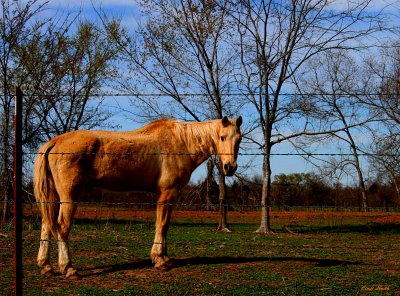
(239, 121)
(225, 121)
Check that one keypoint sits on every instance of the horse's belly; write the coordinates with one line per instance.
(124, 174)
(125, 187)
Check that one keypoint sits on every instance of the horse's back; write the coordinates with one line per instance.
(86, 142)
(118, 161)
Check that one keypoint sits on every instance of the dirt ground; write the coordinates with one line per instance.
(238, 216)
(282, 261)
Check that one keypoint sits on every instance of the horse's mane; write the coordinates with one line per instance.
(201, 135)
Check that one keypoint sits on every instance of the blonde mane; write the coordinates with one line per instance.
(198, 136)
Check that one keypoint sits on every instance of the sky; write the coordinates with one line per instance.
(127, 11)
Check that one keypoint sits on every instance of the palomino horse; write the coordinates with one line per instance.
(159, 157)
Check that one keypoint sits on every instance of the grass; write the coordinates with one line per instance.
(309, 254)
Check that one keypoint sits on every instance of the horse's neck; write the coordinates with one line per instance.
(200, 140)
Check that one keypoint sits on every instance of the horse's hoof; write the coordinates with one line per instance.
(75, 276)
(72, 274)
(48, 273)
(164, 265)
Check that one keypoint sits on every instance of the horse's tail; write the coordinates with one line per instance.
(44, 188)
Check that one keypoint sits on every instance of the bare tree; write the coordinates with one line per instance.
(15, 20)
(385, 159)
(334, 87)
(59, 68)
(181, 51)
(276, 39)
(381, 78)
(81, 66)
(381, 81)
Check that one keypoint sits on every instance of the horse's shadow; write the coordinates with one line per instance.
(178, 263)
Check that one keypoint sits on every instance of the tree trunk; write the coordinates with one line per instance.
(353, 146)
(364, 197)
(396, 182)
(209, 179)
(6, 212)
(363, 191)
(6, 185)
(223, 225)
(265, 226)
(397, 190)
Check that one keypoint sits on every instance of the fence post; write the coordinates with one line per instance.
(17, 192)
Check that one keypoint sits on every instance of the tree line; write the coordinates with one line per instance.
(310, 73)
(288, 191)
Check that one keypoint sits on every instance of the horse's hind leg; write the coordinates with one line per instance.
(67, 211)
(43, 258)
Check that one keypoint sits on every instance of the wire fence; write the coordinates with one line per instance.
(228, 94)
(106, 235)
(195, 207)
(113, 233)
(188, 154)
(115, 221)
(305, 154)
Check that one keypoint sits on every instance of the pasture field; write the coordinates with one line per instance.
(309, 253)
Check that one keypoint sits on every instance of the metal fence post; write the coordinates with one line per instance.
(17, 192)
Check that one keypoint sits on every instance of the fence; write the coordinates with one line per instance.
(18, 204)
(111, 242)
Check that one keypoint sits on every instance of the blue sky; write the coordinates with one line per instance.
(128, 11)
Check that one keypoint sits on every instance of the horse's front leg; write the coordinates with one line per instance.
(159, 249)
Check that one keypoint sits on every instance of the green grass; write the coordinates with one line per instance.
(346, 255)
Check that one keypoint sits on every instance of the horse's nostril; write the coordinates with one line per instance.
(226, 167)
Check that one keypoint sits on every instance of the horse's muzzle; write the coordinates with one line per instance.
(229, 170)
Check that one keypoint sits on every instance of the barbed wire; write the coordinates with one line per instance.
(194, 154)
(202, 206)
(244, 93)
(230, 94)
(221, 244)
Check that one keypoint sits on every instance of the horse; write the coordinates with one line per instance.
(159, 157)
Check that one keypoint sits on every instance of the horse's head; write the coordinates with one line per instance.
(227, 145)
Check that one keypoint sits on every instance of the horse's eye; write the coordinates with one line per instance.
(222, 139)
